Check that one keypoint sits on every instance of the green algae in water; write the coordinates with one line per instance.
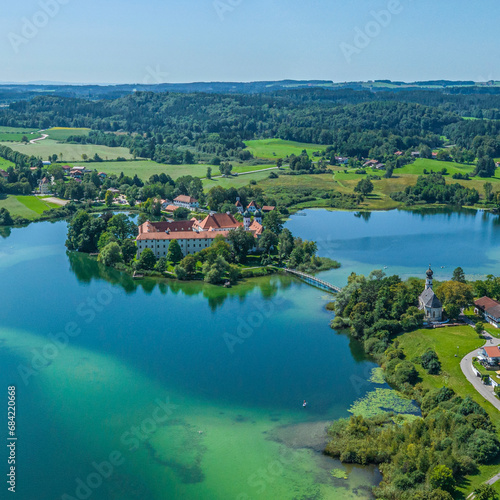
(377, 376)
(339, 474)
(383, 401)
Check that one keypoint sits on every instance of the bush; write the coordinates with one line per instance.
(483, 446)
(430, 362)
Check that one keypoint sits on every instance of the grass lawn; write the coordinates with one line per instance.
(417, 168)
(62, 133)
(5, 164)
(70, 152)
(29, 207)
(445, 341)
(272, 149)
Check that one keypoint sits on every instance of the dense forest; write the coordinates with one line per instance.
(172, 128)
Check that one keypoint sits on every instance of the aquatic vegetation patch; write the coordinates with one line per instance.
(377, 376)
(383, 401)
(179, 446)
(338, 474)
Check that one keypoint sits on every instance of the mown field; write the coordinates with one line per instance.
(29, 207)
(5, 164)
(68, 152)
(272, 149)
(16, 134)
(238, 181)
(62, 133)
(146, 168)
(445, 341)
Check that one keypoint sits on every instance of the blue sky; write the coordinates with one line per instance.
(154, 41)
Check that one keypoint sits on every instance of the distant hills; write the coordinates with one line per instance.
(10, 92)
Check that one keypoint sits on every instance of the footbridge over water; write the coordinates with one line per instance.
(314, 281)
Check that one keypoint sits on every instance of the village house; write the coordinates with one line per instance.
(44, 186)
(370, 163)
(341, 160)
(252, 207)
(489, 309)
(3, 174)
(490, 354)
(186, 202)
(66, 169)
(239, 206)
(267, 208)
(102, 175)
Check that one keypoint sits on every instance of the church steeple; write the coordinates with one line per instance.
(429, 274)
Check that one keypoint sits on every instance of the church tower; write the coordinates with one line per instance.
(247, 220)
(428, 281)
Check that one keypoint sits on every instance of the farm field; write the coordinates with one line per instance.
(70, 152)
(272, 149)
(62, 133)
(15, 134)
(29, 207)
(146, 168)
(417, 168)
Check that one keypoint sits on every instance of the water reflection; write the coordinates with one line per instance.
(87, 269)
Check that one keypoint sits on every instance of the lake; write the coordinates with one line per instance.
(131, 390)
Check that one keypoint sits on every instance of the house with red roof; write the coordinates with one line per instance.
(491, 354)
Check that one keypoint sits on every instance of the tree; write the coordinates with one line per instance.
(122, 227)
(285, 244)
(458, 275)
(214, 273)
(5, 217)
(241, 242)
(180, 273)
(147, 260)
(455, 296)
(479, 327)
(161, 265)
(84, 232)
(181, 213)
(442, 477)
(209, 172)
(25, 139)
(174, 253)
(129, 250)
(485, 492)
(272, 221)
(189, 264)
(268, 241)
(110, 254)
(485, 167)
(84, 157)
(225, 169)
(364, 186)
(108, 198)
(488, 190)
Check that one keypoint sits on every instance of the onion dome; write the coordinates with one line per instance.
(429, 273)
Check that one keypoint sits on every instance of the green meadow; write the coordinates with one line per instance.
(29, 207)
(62, 133)
(16, 134)
(272, 149)
(68, 152)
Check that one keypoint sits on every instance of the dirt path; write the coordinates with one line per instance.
(34, 141)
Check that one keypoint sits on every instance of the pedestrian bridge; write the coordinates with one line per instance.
(314, 281)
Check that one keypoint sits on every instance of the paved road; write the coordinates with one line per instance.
(466, 365)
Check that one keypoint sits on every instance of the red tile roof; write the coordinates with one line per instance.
(219, 221)
(256, 228)
(267, 208)
(161, 227)
(186, 199)
(492, 351)
(486, 303)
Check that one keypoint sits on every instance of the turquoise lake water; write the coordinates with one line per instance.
(199, 389)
